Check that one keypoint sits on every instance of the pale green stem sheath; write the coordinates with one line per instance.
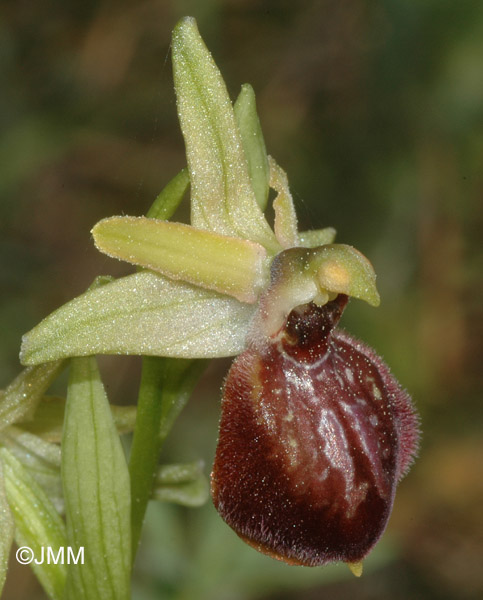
(217, 262)
(96, 486)
(166, 385)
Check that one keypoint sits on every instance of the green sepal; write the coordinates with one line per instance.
(222, 197)
(37, 524)
(216, 262)
(143, 313)
(96, 490)
(253, 143)
(184, 484)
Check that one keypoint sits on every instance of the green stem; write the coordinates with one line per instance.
(166, 385)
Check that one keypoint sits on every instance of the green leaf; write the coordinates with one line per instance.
(40, 458)
(222, 197)
(143, 313)
(38, 525)
(170, 197)
(7, 529)
(317, 237)
(253, 143)
(26, 390)
(166, 385)
(184, 484)
(96, 490)
(217, 262)
(285, 224)
(48, 419)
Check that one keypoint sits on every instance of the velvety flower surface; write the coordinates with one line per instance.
(315, 434)
(315, 431)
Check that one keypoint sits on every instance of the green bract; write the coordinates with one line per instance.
(24, 393)
(37, 523)
(40, 458)
(7, 527)
(203, 281)
(96, 490)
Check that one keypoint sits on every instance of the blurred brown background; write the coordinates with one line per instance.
(375, 110)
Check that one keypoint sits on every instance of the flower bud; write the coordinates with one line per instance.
(315, 434)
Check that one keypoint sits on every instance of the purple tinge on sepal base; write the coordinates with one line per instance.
(315, 434)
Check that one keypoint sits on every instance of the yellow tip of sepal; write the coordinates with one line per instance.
(355, 567)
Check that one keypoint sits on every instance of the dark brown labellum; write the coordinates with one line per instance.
(315, 434)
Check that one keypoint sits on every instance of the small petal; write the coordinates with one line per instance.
(217, 262)
(143, 313)
(285, 218)
(317, 237)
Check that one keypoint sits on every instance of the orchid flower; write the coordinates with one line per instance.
(315, 431)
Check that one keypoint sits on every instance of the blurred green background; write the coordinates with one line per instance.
(375, 110)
